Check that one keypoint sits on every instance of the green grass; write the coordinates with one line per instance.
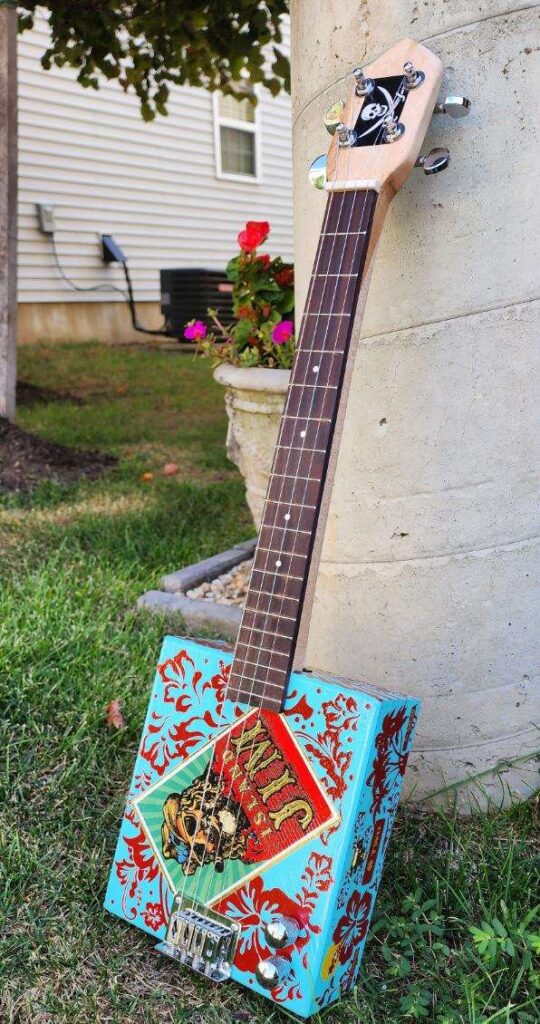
(73, 561)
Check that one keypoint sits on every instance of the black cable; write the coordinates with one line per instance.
(80, 287)
(128, 295)
(131, 303)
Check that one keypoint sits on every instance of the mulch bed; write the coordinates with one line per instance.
(26, 460)
(32, 394)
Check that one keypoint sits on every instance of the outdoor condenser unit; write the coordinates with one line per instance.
(187, 294)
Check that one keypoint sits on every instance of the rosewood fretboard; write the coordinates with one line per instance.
(269, 628)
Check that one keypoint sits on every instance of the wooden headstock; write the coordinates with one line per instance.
(370, 151)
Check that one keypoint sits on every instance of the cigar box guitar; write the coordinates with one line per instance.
(263, 794)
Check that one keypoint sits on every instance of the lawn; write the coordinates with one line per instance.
(73, 560)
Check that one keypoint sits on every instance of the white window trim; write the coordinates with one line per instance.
(246, 126)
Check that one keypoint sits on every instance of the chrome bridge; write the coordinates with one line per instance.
(200, 938)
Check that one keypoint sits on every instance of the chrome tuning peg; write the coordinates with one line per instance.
(393, 129)
(413, 78)
(333, 116)
(346, 136)
(434, 161)
(454, 106)
(317, 171)
(364, 86)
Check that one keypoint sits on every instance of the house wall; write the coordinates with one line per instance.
(152, 185)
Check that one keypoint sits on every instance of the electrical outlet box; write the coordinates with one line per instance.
(45, 212)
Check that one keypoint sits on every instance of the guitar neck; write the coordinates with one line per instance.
(286, 552)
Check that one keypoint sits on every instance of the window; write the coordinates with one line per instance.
(237, 137)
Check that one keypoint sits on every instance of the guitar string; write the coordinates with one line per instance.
(308, 353)
(311, 979)
(250, 636)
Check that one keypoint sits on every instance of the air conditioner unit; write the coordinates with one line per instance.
(187, 294)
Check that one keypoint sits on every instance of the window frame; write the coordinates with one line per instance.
(253, 127)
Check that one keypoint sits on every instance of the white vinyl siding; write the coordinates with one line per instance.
(152, 185)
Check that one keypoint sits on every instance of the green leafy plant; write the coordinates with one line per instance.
(495, 939)
(262, 333)
(149, 45)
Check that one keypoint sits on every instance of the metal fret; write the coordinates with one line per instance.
(273, 551)
(323, 387)
(267, 632)
(290, 504)
(307, 418)
(272, 572)
(254, 679)
(293, 448)
(267, 650)
(323, 275)
(294, 476)
(250, 698)
(269, 593)
(286, 529)
(265, 611)
(336, 234)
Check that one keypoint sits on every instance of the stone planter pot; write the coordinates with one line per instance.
(254, 399)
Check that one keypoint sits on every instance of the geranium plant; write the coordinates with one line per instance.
(262, 333)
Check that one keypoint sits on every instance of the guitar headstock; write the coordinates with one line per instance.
(379, 131)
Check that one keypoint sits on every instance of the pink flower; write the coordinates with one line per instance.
(195, 330)
(283, 332)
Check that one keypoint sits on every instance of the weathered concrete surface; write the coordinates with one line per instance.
(8, 210)
(427, 575)
(254, 399)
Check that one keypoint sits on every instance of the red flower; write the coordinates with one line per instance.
(246, 313)
(252, 907)
(285, 277)
(153, 916)
(254, 233)
(264, 259)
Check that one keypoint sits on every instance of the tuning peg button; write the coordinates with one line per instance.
(413, 78)
(454, 106)
(393, 129)
(317, 171)
(434, 161)
(364, 86)
(333, 116)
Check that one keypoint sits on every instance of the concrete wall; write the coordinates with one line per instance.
(427, 576)
(155, 186)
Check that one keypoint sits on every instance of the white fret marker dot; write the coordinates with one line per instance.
(278, 563)
(287, 515)
(315, 369)
(302, 433)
